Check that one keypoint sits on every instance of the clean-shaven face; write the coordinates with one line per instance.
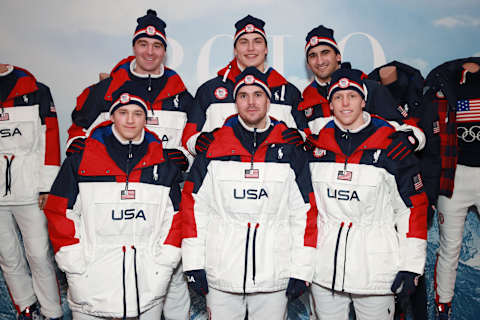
(129, 121)
(251, 51)
(347, 107)
(149, 54)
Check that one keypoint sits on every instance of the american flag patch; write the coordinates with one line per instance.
(417, 182)
(402, 111)
(436, 127)
(153, 121)
(4, 117)
(252, 173)
(344, 175)
(127, 195)
(468, 110)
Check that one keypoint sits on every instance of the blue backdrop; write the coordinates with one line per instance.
(65, 44)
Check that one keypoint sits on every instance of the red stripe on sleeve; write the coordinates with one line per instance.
(311, 229)
(174, 236)
(189, 130)
(417, 226)
(82, 98)
(60, 228)
(189, 226)
(52, 142)
(75, 131)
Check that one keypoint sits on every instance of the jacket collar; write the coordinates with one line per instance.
(231, 71)
(97, 162)
(226, 143)
(378, 140)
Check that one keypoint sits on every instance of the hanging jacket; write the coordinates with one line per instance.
(29, 138)
(112, 223)
(248, 211)
(372, 209)
(407, 91)
(214, 103)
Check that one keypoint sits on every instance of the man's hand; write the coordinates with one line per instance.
(197, 281)
(403, 143)
(296, 288)
(42, 199)
(406, 281)
(103, 76)
(292, 136)
(76, 146)
(179, 158)
(203, 141)
(309, 143)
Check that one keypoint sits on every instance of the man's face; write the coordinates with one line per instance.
(129, 121)
(149, 54)
(323, 61)
(251, 51)
(252, 105)
(347, 106)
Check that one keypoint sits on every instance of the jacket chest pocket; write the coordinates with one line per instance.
(20, 134)
(246, 193)
(168, 125)
(351, 194)
(115, 217)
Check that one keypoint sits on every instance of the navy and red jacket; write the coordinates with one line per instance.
(29, 138)
(373, 206)
(168, 103)
(407, 91)
(113, 207)
(214, 103)
(248, 210)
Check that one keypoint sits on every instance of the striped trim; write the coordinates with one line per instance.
(315, 41)
(251, 80)
(126, 98)
(344, 83)
(249, 28)
(150, 31)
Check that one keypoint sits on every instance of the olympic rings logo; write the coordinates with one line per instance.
(469, 135)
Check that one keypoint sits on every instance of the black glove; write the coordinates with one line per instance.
(309, 143)
(179, 158)
(203, 141)
(295, 288)
(292, 136)
(197, 281)
(76, 146)
(407, 281)
(403, 143)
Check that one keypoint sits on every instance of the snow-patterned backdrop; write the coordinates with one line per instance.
(466, 303)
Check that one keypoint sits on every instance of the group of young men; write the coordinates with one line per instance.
(285, 193)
